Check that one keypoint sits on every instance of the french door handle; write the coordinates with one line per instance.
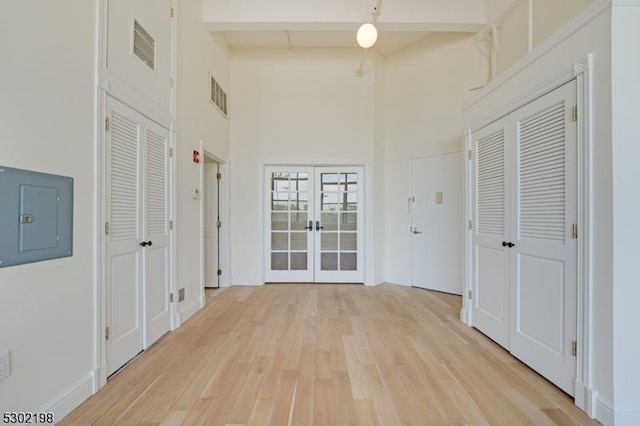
(146, 243)
(310, 227)
(415, 231)
(318, 227)
(506, 244)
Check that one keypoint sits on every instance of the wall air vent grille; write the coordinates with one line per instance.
(144, 46)
(217, 96)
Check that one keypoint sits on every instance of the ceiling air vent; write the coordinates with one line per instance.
(218, 96)
(144, 46)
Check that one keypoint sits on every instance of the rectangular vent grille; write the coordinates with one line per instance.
(218, 96)
(144, 46)
(543, 175)
(490, 184)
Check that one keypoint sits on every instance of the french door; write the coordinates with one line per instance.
(524, 251)
(137, 308)
(313, 224)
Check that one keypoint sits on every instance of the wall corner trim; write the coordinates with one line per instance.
(71, 398)
(597, 8)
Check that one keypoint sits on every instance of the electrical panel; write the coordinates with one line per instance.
(36, 216)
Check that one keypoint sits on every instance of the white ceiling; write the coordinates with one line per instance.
(333, 23)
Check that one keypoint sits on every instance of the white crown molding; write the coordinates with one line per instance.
(587, 16)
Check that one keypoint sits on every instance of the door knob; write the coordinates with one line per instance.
(310, 227)
(510, 245)
(415, 231)
(504, 244)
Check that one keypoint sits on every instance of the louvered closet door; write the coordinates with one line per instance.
(123, 263)
(156, 223)
(543, 322)
(490, 259)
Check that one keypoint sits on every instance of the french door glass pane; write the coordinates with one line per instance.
(339, 240)
(289, 217)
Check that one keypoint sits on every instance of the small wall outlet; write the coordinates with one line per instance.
(5, 365)
(181, 294)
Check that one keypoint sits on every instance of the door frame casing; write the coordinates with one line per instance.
(582, 72)
(107, 84)
(367, 231)
(223, 209)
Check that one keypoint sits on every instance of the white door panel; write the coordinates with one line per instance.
(156, 195)
(436, 222)
(123, 266)
(544, 299)
(490, 286)
(524, 256)
(137, 241)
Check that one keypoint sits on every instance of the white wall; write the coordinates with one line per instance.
(593, 38)
(46, 116)
(199, 53)
(305, 105)
(524, 24)
(424, 87)
(626, 205)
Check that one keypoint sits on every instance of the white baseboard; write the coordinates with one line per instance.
(187, 311)
(627, 416)
(603, 411)
(71, 398)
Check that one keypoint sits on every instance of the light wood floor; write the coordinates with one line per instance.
(327, 355)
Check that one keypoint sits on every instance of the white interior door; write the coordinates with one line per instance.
(289, 224)
(156, 217)
(211, 217)
(314, 219)
(123, 261)
(490, 257)
(137, 307)
(543, 324)
(338, 224)
(436, 222)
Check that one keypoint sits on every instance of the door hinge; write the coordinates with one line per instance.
(574, 231)
(574, 348)
(219, 272)
(107, 124)
(170, 152)
(106, 228)
(470, 155)
(171, 225)
(470, 224)
(574, 113)
(470, 294)
(218, 176)
(107, 333)
(172, 12)
(171, 297)
(218, 224)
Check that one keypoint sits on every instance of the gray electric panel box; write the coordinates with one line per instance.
(36, 216)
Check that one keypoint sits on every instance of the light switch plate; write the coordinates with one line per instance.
(5, 365)
(438, 197)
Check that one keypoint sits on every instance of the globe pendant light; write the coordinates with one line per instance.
(367, 35)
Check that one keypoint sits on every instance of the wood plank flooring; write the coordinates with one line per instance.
(327, 355)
